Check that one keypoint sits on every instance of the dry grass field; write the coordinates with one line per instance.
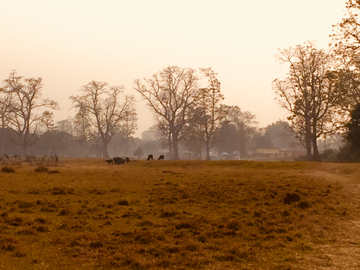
(85, 214)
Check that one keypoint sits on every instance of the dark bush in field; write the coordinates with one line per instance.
(41, 169)
(123, 202)
(7, 169)
(291, 198)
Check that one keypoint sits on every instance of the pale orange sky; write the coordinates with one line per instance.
(70, 43)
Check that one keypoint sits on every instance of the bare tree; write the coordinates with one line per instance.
(308, 94)
(26, 100)
(210, 104)
(66, 125)
(5, 108)
(345, 45)
(47, 121)
(170, 94)
(5, 117)
(101, 112)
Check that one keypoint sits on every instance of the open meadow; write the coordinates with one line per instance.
(86, 214)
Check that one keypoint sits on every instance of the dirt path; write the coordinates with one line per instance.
(343, 252)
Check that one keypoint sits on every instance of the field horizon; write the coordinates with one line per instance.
(86, 214)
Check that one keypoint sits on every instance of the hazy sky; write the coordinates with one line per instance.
(70, 43)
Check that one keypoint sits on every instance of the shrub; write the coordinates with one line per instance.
(123, 202)
(303, 205)
(7, 169)
(291, 198)
(41, 169)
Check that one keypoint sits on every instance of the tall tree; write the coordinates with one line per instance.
(345, 45)
(281, 135)
(26, 101)
(170, 94)
(308, 94)
(236, 131)
(100, 111)
(210, 105)
(352, 134)
(5, 117)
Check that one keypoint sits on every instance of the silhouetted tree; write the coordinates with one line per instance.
(353, 129)
(308, 94)
(100, 112)
(345, 45)
(25, 101)
(170, 94)
(281, 135)
(138, 152)
(211, 111)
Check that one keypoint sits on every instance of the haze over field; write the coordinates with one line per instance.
(70, 43)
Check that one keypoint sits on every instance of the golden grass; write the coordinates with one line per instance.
(86, 214)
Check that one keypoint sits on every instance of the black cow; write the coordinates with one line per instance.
(161, 157)
(118, 160)
(150, 157)
(109, 161)
(127, 160)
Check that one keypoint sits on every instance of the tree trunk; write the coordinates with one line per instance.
(170, 147)
(104, 149)
(176, 147)
(207, 145)
(314, 144)
(308, 138)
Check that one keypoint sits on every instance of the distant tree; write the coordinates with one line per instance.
(230, 139)
(281, 135)
(236, 131)
(138, 152)
(211, 110)
(25, 103)
(350, 152)
(6, 106)
(345, 45)
(66, 125)
(194, 140)
(127, 129)
(170, 94)
(83, 130)
(308, 94)
(101, 113)
(260, 140)
(5, 117)
(47, 121)
(352, 134)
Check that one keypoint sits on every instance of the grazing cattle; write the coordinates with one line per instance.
(127, 160)
(150, 157)
(109, 161)
(118, 160)
(161, 157)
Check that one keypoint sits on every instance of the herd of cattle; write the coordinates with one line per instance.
(119, 160)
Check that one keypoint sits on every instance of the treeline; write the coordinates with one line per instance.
(321, 93)
(191, 121)
(241, 140)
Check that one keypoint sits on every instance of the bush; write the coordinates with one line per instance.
(41, 169)
(291, 198)
(7, 169)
